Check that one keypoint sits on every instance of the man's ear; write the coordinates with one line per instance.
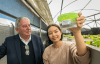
(17, 30)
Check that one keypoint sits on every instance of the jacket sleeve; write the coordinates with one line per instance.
(3, 49)
(42, 50)
(85, 59)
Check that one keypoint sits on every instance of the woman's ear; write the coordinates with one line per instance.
(61, 32)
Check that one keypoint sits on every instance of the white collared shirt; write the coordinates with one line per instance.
(25, 42)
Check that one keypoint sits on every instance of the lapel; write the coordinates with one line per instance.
(34, 47)
(17, 46)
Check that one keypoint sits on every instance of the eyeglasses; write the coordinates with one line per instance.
(27, 50)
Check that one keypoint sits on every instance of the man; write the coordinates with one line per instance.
(22, 48)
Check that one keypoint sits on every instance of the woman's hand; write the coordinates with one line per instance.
(80, 21)
(81, 46)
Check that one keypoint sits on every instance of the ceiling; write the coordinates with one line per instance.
(49, 10)
(42, 8)
(89, 8)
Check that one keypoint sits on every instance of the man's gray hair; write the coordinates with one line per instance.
(18, 21)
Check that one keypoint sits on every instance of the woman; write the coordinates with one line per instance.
(61, 52)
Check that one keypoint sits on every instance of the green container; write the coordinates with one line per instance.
(68, 20)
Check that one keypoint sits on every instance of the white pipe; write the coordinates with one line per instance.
(30, 7)
(32, 10)
(40, 27)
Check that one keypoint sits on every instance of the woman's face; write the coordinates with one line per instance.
(54, 34)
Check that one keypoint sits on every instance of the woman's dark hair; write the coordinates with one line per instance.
(57, 27)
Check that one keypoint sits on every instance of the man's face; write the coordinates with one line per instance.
(24, 28)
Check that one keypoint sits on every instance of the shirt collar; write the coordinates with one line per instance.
(25, 42)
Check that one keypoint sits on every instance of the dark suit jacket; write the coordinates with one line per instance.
(11, 48)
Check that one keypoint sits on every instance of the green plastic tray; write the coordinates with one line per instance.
(66, 16)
